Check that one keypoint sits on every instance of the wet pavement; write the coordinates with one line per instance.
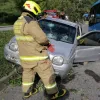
(83, 83)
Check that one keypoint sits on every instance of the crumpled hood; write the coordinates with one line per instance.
(61, 48)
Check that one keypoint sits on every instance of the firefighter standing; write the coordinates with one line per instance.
(33, 43)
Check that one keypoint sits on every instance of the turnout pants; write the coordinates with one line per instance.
(44, 70)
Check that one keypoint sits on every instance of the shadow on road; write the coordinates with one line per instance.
(93, 74)
(68, 78)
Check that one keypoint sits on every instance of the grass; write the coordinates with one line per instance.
(16, 80)
(5, 67)
(5, 24)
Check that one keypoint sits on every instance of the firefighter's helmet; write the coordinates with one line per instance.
(32, 7)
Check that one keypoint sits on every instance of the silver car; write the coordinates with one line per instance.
(63, 35)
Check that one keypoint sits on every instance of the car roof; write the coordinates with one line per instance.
(62, 21)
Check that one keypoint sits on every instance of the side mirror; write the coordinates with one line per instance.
(92, 16)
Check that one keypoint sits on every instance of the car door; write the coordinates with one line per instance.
(88, 48)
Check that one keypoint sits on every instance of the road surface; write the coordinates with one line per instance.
(5, 28)
(83, 84)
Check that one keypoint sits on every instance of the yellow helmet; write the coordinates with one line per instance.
(32, 7)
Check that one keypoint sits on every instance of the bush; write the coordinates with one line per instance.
(9, 18)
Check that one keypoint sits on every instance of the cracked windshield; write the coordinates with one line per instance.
(58, 32)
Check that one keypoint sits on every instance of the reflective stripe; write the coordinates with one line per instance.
(57, 94)
(17, 26)
(24, 38)
(51, 86)
(27, 58)
(20, 17)
(27, 84)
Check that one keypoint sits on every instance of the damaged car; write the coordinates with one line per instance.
(63, 36)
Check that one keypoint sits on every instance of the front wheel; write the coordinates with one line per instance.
(19, 69)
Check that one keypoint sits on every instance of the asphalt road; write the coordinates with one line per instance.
(5, 28)
(83, 84)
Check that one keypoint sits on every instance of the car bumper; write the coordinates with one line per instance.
(13, 57)
(63, 70)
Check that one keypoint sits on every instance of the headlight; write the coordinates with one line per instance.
(13, 46)
(58, 60)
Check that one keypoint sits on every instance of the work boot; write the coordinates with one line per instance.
(56, 96)
(29, 94)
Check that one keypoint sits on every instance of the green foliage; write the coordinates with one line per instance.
(73, 8)
(5, 67)
(19, 3)
(7, 6)
(8, 12)
(16, 80)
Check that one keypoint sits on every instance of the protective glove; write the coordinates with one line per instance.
(51, 48)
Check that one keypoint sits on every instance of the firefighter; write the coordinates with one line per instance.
(62, 15)
(32, 44)
(44, 15)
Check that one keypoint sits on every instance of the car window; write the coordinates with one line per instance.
(92, 39)
(58, 31)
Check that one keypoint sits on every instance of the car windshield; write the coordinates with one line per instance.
(58, 31)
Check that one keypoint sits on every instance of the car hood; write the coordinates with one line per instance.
(13, 40)
(61, 48)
